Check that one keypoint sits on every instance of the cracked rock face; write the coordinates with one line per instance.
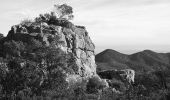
(69, 38)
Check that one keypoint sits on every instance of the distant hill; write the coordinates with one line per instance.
(146, 60)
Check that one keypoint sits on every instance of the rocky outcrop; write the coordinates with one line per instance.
(126, 75)
(63, 35)
(30, 47)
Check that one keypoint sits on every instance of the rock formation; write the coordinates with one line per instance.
(70, 39)
(126, 75)
(51, 56)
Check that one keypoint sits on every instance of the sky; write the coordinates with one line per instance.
(127, 26)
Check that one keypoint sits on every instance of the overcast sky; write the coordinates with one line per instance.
(123, 25)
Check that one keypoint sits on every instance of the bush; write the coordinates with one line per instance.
(26, 22)
(117, 84)
(14, 48)
(64, 11)
(95, 84)
(108, 94)
(1, 36)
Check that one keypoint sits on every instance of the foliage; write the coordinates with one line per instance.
(13, 48)
(95, 84)
(117, 84)
(1, 36)
(32, 70)
(26, 22)
(43, 18)
(64, 11)
(148, 86)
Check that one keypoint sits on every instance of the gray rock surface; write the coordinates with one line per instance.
(126, 75)
(68, 37)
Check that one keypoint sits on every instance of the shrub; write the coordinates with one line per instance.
(64, 11)
(1, 36)
(26, 22)
(117, 84)
(14, 48)
(95, 84)
(108, 94)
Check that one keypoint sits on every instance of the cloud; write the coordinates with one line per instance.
(116, 24)
(132, 26)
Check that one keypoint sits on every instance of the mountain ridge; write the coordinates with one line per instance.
(146, 60)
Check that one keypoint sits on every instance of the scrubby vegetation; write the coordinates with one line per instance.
(25, 74)
(151, 73)
(33, 68)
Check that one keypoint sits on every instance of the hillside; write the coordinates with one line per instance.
(51, 58)
(146, 60)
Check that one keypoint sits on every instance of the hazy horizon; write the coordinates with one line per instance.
(125, 26)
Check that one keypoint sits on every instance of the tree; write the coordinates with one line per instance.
(43, 18)
(64, 11)
(26, 22)
(14, 48)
